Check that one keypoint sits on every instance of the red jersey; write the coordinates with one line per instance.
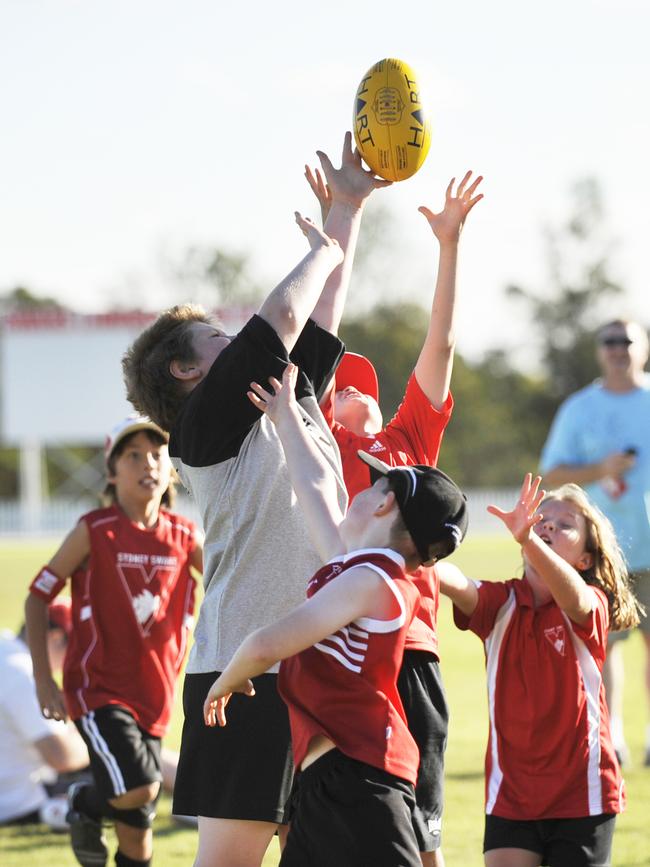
(549, 753)
(413, 436)
(132, 605)
(345, 686)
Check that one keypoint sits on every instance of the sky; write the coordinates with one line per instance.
(131, 131)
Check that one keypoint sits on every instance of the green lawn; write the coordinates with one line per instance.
(462, 660)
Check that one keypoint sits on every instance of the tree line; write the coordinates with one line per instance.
(502, 414)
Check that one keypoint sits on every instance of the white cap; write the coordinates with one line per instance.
(129, 425)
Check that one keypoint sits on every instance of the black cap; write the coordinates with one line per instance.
(433, 507)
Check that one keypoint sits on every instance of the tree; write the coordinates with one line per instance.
(19, 298)
(215, 277)
(579, 283)
(500, 417)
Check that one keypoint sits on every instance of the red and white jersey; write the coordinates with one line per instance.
(132, 606)
(549, 751)
(345, 687)
(413, 436)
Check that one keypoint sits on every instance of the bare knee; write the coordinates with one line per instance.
(232, 842)
(136, 797)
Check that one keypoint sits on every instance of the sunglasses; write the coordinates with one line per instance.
(616, 341)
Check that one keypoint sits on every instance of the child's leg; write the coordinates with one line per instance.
(133, 813)
(425, 705)
(236, 779)
(232, 842)
(125, 761)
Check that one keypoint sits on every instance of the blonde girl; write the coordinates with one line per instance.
(553, 785)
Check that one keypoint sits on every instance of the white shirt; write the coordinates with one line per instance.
(22, 768)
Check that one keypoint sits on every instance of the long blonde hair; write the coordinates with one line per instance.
(609, 570)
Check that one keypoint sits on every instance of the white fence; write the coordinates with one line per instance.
(57, 517)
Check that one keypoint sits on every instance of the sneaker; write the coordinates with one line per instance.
(53, 813)
(86, 836)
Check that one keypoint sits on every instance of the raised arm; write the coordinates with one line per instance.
(434, 365)
(311, 477)
(458, 587)
(73, 551)
(342, 196)
(564, 582)
(291, 303)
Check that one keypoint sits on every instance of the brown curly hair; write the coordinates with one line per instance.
(150, 385)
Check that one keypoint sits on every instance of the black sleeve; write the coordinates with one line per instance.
(217, 416)
(317, 354)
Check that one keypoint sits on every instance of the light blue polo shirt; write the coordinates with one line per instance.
(593, 423)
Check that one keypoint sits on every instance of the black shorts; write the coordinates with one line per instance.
(582, 842)
(123, 756)
(350, 814)
(241, 771)
(423, 696)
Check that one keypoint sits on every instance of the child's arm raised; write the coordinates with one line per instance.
(73, 551)
(563, 581)
(361, 593)
(433, 368)
(291, 303)
(342, 196)
(457, 587)
(311, 477)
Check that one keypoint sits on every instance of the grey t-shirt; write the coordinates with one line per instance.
(258, 556)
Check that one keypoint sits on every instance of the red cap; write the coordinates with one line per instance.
(59, 614)
(357, 371)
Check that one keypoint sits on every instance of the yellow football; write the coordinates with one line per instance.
(391, 128)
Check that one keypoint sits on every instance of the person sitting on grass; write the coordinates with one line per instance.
(36, 754)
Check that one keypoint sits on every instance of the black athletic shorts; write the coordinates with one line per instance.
(241, 771)
(423, 696)
(123, 756)
(582, 842)
(350, 814)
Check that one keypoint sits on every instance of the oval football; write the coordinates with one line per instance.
(391, 127)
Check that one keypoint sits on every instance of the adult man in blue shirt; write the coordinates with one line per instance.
(600, 439)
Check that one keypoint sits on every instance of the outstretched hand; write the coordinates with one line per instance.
(351, 184)
(279, 401)
(317, 239)
(521, 520)
(320, 189)
(214, 707)
(448, 223)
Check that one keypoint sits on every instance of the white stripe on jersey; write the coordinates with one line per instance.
(103, 752)
(591, 680)
(492, 649)
(349, 631)
(359, 630)
(344, 646)
(101, 521)
(383, 626)
(332, 652)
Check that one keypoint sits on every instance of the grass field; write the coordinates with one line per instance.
(462, 661)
